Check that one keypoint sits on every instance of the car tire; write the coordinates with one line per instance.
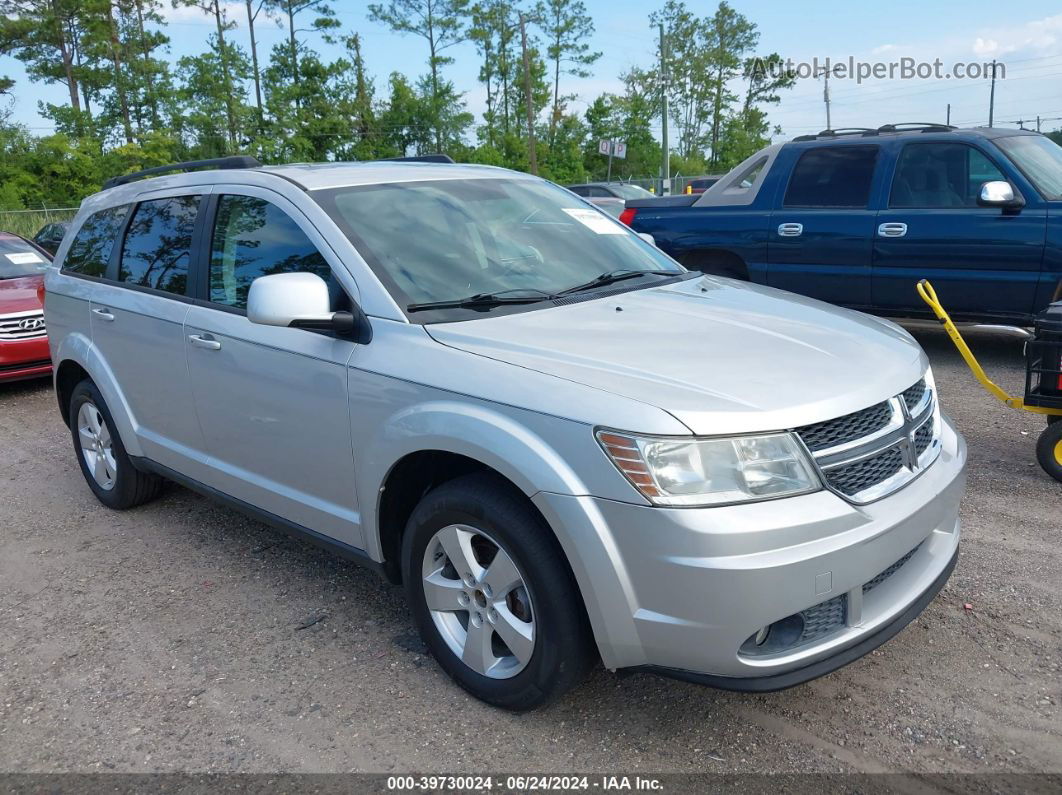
(1053, 418)
(1049, 450)
(107, 468)
(493, 596)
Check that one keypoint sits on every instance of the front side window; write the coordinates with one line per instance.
(254, 238)
(90, 250)
(832, 176)
(1039, 158)
(936, 175)
(445, 240)
(158, 244)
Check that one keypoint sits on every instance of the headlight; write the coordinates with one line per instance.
(717, 471)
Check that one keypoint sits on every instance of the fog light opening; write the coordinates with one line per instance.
(760, 637)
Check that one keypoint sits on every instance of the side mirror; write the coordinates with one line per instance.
(998, 193)
(648, 238)
(301, 300)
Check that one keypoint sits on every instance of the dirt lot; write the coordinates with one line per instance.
(183, 636)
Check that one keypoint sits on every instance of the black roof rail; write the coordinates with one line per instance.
(421, 159)
(912, 126)
(235, 161)
(862, 132)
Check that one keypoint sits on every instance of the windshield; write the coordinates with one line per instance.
(631, 191)
(1039, 158)
(20, 259)
(447, 240)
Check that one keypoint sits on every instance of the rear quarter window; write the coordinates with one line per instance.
(90, 250)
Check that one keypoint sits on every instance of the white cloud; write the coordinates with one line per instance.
(1040, 36)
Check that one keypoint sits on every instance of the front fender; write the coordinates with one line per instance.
(487, 435)
(78, 348)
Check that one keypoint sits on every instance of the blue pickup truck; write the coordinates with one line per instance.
(857, 217)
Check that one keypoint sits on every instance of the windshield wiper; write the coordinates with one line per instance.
(611, 277)
(487, 300)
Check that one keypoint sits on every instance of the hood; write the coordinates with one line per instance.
(721, 356)
(20, 295)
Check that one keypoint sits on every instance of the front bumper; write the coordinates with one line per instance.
(28, 358)
(683, 590)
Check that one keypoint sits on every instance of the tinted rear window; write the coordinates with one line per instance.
(158, 244)
(90, 250)
(832, 176)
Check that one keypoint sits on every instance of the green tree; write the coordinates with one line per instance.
(567, 27)
(324, 21)
(729, 38)
(43, 35)
(440, 24)
(224, 61)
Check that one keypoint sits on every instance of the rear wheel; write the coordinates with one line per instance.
(1049, 450)
(106, 466)
(492, 595)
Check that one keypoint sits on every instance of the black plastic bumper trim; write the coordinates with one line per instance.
(786, 679)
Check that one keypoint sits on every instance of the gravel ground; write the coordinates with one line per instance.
(182, 636)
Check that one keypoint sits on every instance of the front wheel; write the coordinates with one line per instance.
(1049, 450)
(492, 595)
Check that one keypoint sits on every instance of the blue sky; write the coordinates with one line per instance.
(1025, 36)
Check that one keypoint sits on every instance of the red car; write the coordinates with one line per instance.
(23, 340)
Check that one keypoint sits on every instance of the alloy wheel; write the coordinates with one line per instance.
(478, 600)
(97, 446)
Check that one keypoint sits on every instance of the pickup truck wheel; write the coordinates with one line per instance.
(492, 595)
(106, 466)
(716, 263)
(1049, 450)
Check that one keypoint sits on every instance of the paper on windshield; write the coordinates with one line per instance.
(24, 258)
(595, 221)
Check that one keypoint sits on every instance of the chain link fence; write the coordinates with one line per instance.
(27, 222)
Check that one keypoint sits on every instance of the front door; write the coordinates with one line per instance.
(981, 260)
(272, 402)
(819, 242)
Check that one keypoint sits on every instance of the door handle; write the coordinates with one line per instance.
(892, 230)
(790, 230)
(103, 314)
(207, 342)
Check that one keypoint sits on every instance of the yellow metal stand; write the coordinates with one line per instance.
(929, 295)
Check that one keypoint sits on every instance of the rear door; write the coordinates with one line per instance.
(819, 242)
(137, 319)
(272, 402)
(982, 260)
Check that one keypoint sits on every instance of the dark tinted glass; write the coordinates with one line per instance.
(941, 175)
(254, 238)
(158, 244)
(832, 176)
(90, 250)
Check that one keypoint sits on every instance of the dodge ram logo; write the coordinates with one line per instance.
(31, 324)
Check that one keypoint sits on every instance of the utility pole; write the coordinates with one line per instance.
(825, 73)
(527, 100)
(665, 166)
(948, 122)
(992, 97)
(1037, 124)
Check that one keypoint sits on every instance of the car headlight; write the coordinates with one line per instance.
(698, 472)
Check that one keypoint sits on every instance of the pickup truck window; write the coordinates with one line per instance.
(1040, 159)
(941, 175)
(832, 176)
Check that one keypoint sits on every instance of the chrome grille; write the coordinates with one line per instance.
(871, 453)
(913, 395)
(857, 477)
(831, 433)
(22, 325)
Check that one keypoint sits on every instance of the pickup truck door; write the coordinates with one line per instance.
(819, 240)
(982, 260)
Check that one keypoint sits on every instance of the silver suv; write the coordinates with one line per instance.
(566, 447)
